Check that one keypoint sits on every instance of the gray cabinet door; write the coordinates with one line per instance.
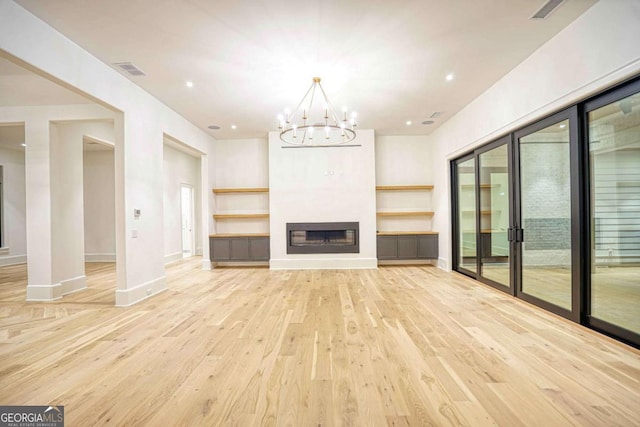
(239, 249)
(407, 247)
(259, 248)
(428, 246)
(219, 249)
(387, 247)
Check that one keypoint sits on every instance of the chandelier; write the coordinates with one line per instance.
(316, 123)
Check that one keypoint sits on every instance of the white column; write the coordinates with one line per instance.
(67, 207)
(40, 285)
(205, 195)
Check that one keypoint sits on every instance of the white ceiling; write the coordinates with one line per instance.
(250, 59)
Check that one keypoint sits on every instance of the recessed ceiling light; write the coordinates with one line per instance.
(408, 122)
(428, 122)
(213, 127)
(449, 77)
(23, 144)
(563, 126)
(234, 127)
(189, 84)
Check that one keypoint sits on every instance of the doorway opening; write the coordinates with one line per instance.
(187, 220)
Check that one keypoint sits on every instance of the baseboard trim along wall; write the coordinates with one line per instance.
(442, 264)
(176, 256)
(13, 260)
(127, 297)
(55, 291)
(323, 264)
(50, 292)
(73, 285)
(96, 257)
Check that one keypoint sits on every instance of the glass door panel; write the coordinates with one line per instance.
(614, 156)
(494, 215)
(466, 179)
(545, 207)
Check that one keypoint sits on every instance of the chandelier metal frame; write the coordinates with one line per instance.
(328, 129)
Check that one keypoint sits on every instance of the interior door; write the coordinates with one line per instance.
(187, 220)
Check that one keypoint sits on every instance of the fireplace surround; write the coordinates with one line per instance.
(322, 237)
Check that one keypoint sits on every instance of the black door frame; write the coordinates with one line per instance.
(608, 97)
(506, 141)
(570, 114)
(455, 224)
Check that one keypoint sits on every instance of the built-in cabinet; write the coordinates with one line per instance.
(237, 248)
(242, 221)
(403, 224)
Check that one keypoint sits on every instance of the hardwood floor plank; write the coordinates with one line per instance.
(409, 345)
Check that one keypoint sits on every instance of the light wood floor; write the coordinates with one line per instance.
(250, 346)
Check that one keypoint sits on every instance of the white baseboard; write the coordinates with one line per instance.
(406, 262)
(56, 290)
(176, 256)
(442, 264)
(206, 264)
(50, 292)
(323, 264)
(13, 260)
(73, 285)
(96, 257)
(127, 297)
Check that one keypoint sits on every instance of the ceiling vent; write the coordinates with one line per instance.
(547, 8)
(129, 68)
(436, 114)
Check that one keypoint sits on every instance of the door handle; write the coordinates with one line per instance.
(515, 234)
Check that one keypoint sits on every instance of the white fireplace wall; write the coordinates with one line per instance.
(334, 184)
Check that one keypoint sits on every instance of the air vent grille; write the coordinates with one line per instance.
(436, 114)
(547, 8)
(129, 68)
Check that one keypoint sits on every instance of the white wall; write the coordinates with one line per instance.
(597, 50)
(99, 206)
(179, 168)
(139, 131)
(15, 234)
(323, 185)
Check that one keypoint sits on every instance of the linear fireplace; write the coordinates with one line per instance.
(322, 237)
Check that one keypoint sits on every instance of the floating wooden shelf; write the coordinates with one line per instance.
(227, 235)
(403, 213)
(405, 233)
(241, 216)
(240, 190)
(403, 187)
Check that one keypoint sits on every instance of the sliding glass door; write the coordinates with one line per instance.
(515, 202)
(613, 126)
(482, 225)
(543, 238)
(465, 179)
(493, 191)
(551, 213)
